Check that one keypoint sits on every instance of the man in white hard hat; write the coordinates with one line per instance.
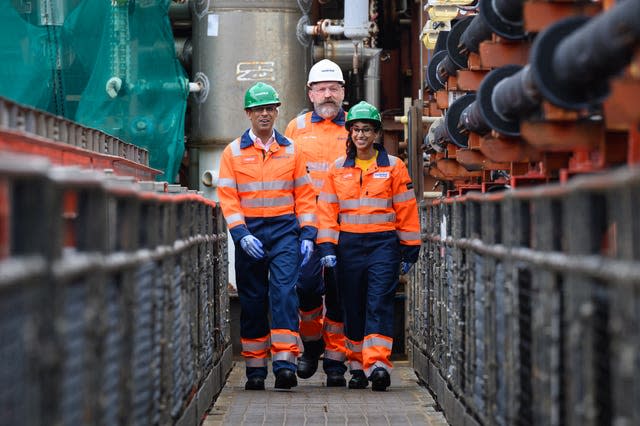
(321, 136)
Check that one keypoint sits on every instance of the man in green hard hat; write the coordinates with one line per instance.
(268, 201)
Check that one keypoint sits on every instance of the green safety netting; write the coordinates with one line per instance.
(106, 64)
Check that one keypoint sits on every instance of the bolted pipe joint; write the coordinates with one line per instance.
(458, 134)
(507, 121)
(437, 138)
(446, 68)
(471, 119)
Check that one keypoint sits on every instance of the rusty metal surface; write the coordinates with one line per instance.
(540, 14)
(495, 55)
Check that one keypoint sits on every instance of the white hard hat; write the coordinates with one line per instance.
(325, 70)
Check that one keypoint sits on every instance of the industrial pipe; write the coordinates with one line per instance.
(457, 133)
(471, 120)
(184, 52)
(210, 178)
(324, 28)
(356, 19)
(504, 17)
(432, 78)
(437, 138)
(477, 31)
(446, 68)
(515, 96)
(507, 120)
(456, 57)
(570, 65)
(341, 52)
(179, 11)
(573, 59)
(481, 115)
(456, 50)
(467, 34)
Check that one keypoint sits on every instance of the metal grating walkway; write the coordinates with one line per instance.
(312, 403)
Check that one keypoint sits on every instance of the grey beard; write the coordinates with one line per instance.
(327, 111)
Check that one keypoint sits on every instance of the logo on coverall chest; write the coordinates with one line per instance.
(381, 175)
(249, 159)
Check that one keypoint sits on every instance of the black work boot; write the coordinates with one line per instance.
(380, 379)
(307, 366)
(358, 380)
(286, 379)
(254, 383)
(308, 361)
(336, 380)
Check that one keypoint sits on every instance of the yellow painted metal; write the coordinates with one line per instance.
(429, 34)
(449, 2)
(442, 13)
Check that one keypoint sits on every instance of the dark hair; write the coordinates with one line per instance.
(351, 148)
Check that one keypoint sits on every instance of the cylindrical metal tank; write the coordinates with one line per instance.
(236, 44)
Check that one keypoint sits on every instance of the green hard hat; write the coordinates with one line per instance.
(363, 111)
(261, 94)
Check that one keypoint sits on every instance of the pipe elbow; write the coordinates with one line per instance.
(210, 178)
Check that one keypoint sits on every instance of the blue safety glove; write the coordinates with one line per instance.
(329, 261)
(405, 267)
(252, 246)
(306, 248)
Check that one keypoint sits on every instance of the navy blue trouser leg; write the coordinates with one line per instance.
(368, 278)
(268, 285)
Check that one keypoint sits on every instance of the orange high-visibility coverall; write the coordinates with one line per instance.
(267, 194)
(321, 141)
(370, 221)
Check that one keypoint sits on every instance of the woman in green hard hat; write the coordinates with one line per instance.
(369, 229)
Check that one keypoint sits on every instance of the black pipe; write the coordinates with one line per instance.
(504, 17)
(601, 47)
(356, 87)
(432, 80)
(457, 134)
(457, 52)
(472, 120)
(440, 138)
(573, 59)
(481, 115)
(477, 32)
(446, 68)
(436, 138)
(509, 10)
(515, 96)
